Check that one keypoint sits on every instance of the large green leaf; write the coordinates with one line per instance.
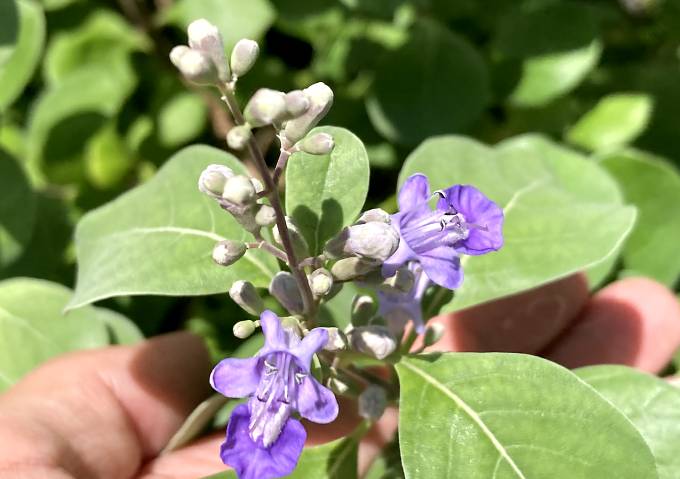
(33, 327)
(181, 119)
(497, 415)
(653, 185)
(18, 62)
(326, 192)
(650, 403)
(17, 210)
(435, 83)
(158, 238)
(9, 29)
(563, 213)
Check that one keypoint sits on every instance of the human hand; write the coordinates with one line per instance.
(108, 413)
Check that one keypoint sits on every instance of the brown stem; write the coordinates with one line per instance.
(269, 248)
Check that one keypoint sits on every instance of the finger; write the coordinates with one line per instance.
(635, 321)
(98, 414)
(525, 322)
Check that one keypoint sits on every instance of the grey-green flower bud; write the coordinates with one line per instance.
(243, 329)
(376, 214)
(351, 268)
(363, 309)
(284, 288)
(194, 65)
(238, 137)
(296, 103)
(372, 402)
(213, 179)
(205, 37)
(228, 252)
(320, 282)
(265, 216)
(319, 144)
(299, 243)
(245, 295)
(320, 100)
(266, 107)
(337, 341)
(239, 190)
(243, 56)
(401, 282)
(375, 341)
(372, 241)
(433, 333)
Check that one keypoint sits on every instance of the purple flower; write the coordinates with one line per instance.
(264, 442)
(463, 222)
(400, 308)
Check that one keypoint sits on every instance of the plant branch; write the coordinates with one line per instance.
(269, 248)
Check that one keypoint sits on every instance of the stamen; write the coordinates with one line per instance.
(299, 377)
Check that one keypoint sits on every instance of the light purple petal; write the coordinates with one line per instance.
(235, 377)
(478, 210)
(310, 344)
(316, 402)
(252, 461)
(415, 190)
(275, 337)
(400, 257)
(442, 266)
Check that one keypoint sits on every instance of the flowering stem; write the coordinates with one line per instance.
(269, 248)
(273, 195)
(281, 165)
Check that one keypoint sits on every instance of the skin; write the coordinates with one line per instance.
(108, 413)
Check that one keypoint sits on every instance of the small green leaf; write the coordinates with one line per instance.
(616, 120)
(511, 416)
(17, 210)
(326, 192)
(33, 327)
(17, 66)
(653, 185)
(158, 238)
(181, 119)
(107, 158)
(563, 213)
(435, 83)
(651, 404)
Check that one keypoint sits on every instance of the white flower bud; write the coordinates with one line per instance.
(320, 282)
(375, 341)
(228, 252)
(243, 56)
(337, 386)
(194, 65)
(266, 107)
(284, 288)
(205, 37)
(296, 103)
(433, 333)
(245, 295)
(319, 144)
(238, 137)
(243, 329)
(320, 100)
(351, 268)
(337, 341)
(213, 179)
(372, 241)
(372, 402)
(363, 309)
(265, 216)
(299, 243)
(376, 214)
(239, 190)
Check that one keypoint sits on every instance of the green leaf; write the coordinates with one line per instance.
(158, 238)
(436, 83)
(108, 158)
(555, 47)
(563, 213)
(17, 210)
(9, 29)
(511, 416)
(17, 66)
(326, 192)
(651, 404)
(653, 185)
(616, 120)
(33, 327)
(181, 119)
(235, 19)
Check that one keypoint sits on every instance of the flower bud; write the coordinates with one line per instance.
(375, 341)
(228, 252)
(363, 309)
(296, 103)
(351, 268)
(194, 65)
(337, 341)
(245, 295)
(243, 329)
(319, 144)
(284, 288)
(243, 56)
(401, 282)
(205, 37)
(265, 216)
(376, 214)
(433, 333)
(337, 386)
(372, 402)
(372, 241)
(213, 179)
(238, 137)
(266, 107)
(300, 246)
(239, 190)
(320, 282)
(320, 100)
